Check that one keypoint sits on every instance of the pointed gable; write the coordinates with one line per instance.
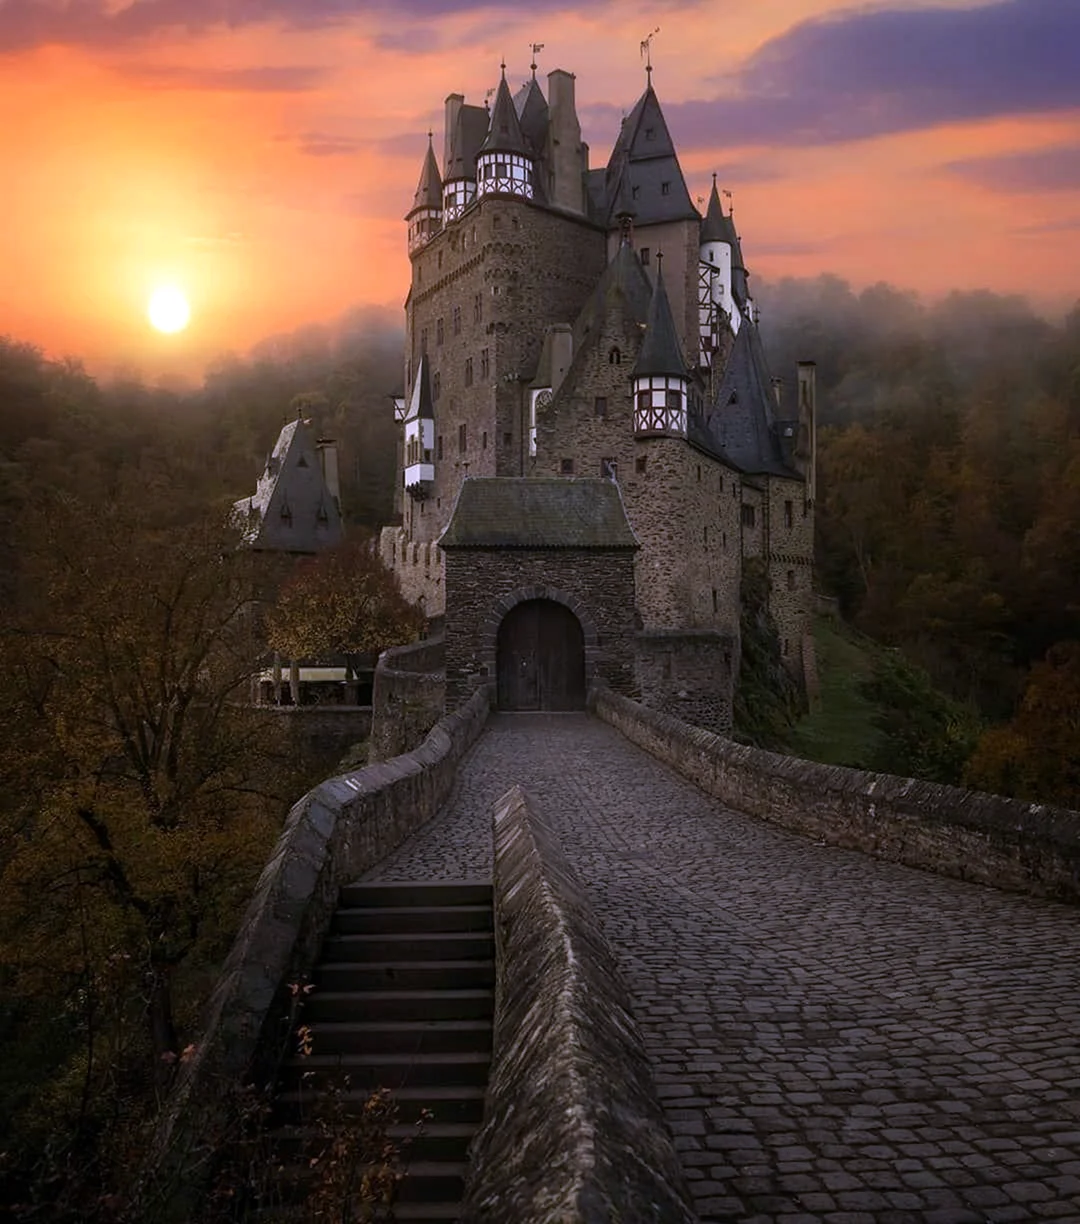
(429, 188)
(421, 405)
(646, 153)
(660, 352)
(504, 134)
(292, 509)
(532, 112)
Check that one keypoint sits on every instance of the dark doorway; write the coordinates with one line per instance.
(541, 658)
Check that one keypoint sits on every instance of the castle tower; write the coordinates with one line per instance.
(425, 216)
(660, 379)
(505, 165)
(717, 308)
(420, 437)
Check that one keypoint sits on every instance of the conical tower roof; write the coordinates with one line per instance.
(468, 135)
(504, 134)
(646, 154)
(660, 352)
(421, 405)
(718, 227)
(533, 115)
(429, 188)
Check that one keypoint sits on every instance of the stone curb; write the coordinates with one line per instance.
(573, 1130)
(334, 833)
(986, 839)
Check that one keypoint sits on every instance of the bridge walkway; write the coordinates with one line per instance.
(834, 1038)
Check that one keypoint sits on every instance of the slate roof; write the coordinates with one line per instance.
(646, 153)
(623, 280)
(740, 424)
(429, 189)
(421, 405)
(469, 134)
(660, 352)
(504, 135)
(291, 510)
(532, 112)
(549, 512)
(717, 226)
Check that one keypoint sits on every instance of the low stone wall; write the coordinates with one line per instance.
(409, 696)
(688, 673)
(573, 1130)
(987, 839)
(321, 733)
(332, 835)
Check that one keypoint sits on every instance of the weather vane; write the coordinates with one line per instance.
(536, 49)
(646, 50)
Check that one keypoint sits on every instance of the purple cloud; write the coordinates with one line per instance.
(865, 74)
(1055, 169)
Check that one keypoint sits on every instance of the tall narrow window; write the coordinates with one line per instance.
(485, 364)
(468, 372)
(789, 514)
(462, 438)
(614, 356)
(457, 320)
(438, 331)
(438, 448)
(478, 307)
(600, 407)
(644, 257)
(566, 466)
(436, 387)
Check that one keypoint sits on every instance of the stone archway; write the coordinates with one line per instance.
(540, 657)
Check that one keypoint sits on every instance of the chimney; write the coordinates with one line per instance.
(328, 461)
(454, 103)
(565, 152)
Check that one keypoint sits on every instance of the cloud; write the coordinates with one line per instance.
(1054, 169)
(266, 79)
(1066, 225)
(864, 74)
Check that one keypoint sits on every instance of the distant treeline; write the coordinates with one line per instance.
(949, 502)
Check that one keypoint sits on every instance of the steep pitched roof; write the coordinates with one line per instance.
(717, 226)
(541, 512)
(646, 152)
(468, 135)
(421, 405)
(740, 425)
(429, 189)
(504, 135)
(292, 510)
(660, 352)
(532, 112)
(623, 282)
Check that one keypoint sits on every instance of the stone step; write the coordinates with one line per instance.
(405, 975)
(400, 1036)
(438, 945)
(415, 1005)
(444, 1103)
(402, 893)
(386, 1070)
(413, 918)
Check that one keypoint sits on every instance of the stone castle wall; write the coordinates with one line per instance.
(409, 697)
(689, 674)
(790, 560)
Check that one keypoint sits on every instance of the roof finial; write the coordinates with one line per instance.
(646, 51)
(659, 262)
(502, 65)
(536, 49)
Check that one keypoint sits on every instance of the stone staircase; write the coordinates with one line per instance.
(403, 999)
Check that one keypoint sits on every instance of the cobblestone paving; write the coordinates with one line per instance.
(834, 1038)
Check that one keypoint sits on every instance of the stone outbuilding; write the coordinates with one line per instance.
(539, 591)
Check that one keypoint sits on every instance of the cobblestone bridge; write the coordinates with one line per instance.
(834, 1038)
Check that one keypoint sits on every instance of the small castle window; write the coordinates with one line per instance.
(600, 407)
(478, 307)
(614, 357)
(438, 331)
(462, 438)
(789, 514)
(634, 193)
(508, 439)
(639, 464)
(302, 461)
(423, 341)
(787, 646)
(483, 440)
(457, 320)
(699, 473)
(748, 516)
(665, 189)
(705, 536)
(485, 363)
(650, 133)
(468, 372)
(566, 466)
(438, 448)
(715, 600)
(436, 387)
(791, 580)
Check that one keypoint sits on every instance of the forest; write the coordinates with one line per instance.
(138, 798)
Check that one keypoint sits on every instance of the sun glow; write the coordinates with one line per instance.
(168, 309)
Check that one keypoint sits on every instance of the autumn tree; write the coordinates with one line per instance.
(343, 602)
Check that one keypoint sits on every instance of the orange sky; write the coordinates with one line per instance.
(265, 166)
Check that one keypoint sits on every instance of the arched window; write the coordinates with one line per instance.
(614, 357)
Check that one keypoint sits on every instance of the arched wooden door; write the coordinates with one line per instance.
(540, 656)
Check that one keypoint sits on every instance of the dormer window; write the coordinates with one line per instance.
(665, 189)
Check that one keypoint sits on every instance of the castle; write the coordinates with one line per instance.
(582, 345)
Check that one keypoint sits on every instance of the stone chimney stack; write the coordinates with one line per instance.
(566, 155)
(328, 461)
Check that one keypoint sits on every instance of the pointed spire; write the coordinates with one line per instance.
(660, 352)
(429, 187)
(504, 135)
(421, 405)
(716, 227)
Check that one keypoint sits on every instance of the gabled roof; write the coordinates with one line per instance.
(429, 189)
(646, 152)
(740, 425)
(541, 512)
(421, 405)
(468, 135)
(532, 112)
(624, 283)
(660, 352)
(504, 135)
(292, 509)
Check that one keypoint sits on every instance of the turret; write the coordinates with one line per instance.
(660, 376)
(420, 436)
(718, 253)
(425, 216)
(504, 164)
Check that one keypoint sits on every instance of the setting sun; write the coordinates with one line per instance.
(168, 309)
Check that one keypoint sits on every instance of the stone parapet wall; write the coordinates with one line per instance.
(320, 733)
(986, 839)
(419, 569)
(688, 673)
(573, 1129)
(332, 835)
(409, 696)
